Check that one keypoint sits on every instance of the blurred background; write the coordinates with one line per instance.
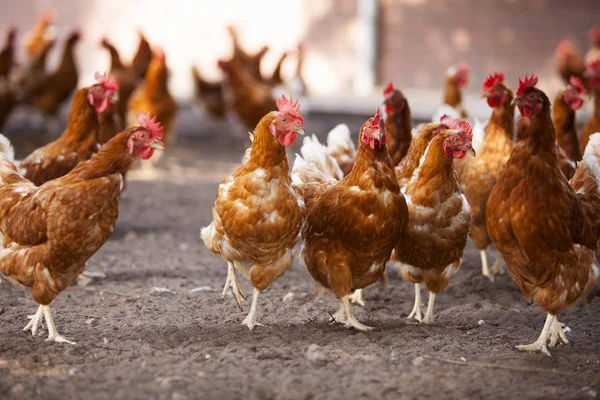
(352, 48)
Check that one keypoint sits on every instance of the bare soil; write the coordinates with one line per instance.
(156, 328)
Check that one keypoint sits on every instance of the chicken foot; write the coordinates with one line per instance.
(232, 283)
(416, 312)
(250, 320)
(357, 297)
(350, 320)
(497, 267)
(428, 319)
(552, 331)
(485, 270)
(36, 322)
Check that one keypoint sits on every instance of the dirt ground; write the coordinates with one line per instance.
(155, 326)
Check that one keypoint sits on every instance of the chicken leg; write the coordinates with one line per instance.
(250, 320)
(485, 270)
(351, 321)
(429, 313)
(357, 297)
(552, 331)
(36, 322)
(416, 312)
(232, 283)
(497, 267)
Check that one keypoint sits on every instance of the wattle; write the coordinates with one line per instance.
(146, 153)
(287, 138)
(458, 154)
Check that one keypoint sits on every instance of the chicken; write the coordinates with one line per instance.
(142, 57)
(430, 249)
(341, 147)
(566, 102)
(7, 56)
(593, 54)
(41, 35)
(398, 123)
(126, 77)
(250, 61)
(593, 123)
(568, 61)
(351, 225)
(258, 215)
(110, 120)
(153, 96)
(80, 139)
(406, 169)
(546, 227)
(456, 79)
(58, 86)
(251, 98)
(210, 95)
(49, 232)
(477, 176)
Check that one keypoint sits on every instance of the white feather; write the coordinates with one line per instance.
(7, 148)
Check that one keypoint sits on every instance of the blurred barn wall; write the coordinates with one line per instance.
(418, 39)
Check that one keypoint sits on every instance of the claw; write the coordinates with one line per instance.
(232, 283)
(417, 312)
(357, 297)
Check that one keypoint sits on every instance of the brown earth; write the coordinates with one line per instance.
(138, 341)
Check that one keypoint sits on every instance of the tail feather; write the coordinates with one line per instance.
(341, 147)
(317, 154)
(7, 148)
(309, 180)
(586, 181)
(13, 186)
(445, 109)
(478, 134)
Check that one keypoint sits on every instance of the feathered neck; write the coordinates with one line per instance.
(452, 93)
(82, 121)
(266, 149)
(156, 77)
(537, 132)
(366, 157)
(501, 127)
(114, 157)
(564, 124)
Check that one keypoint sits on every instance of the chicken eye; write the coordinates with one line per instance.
(456, 139)
(283, 120)
(142, 136)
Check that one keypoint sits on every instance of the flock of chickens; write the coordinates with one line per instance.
(410, 197)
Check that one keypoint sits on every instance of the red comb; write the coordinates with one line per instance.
(376, 123)
(492, 80)
(107, 81)
(577, 84)
(463, 67)
(388, 89)
(159, 53)
(528, 81)
(288, 106)
(595, 34)
(463, 126)
(151, 125)
(593, 68)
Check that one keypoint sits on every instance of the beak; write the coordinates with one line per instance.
(158, 145)
(299, 131)
(485, 95)
(516, 101)
(113, 97)
(471, 150)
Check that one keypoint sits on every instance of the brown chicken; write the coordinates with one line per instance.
(431, 248)
(153, 96)
(546, 227)
(49, 232)
(593, 123)
(125, 75)
(406, 169)
(456, 79)
(398, 123)
(110, 121)
(258, 215)
(477, 176)
(351, 225)
(250, 61)
(142, 57)
(566, 102)
(251, 98)
(568, 61)
(41, 35)
(209, 95)
(7, 55)
(80, 139)
(57, 87)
